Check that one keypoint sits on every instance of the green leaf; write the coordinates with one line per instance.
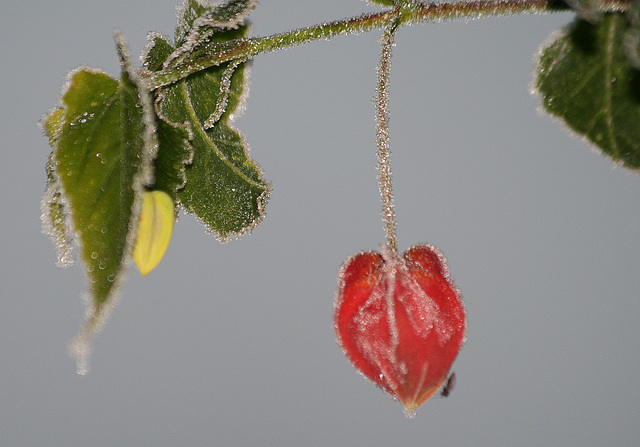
(584, 79)
(103, 147)
(225, 189)
(156, 52)
(174, 154)
(174, 148)
(199, 25)
(197, 20)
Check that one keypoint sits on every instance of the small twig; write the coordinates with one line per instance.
(407, 14)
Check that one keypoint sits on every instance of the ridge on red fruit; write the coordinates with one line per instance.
(400, 320)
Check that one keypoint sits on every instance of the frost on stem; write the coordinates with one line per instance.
(382, 140)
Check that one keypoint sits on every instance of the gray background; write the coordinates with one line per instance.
(233, 344)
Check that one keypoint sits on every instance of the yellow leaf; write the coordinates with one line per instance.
(154, 230)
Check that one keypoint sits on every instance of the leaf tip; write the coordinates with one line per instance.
(79, 349)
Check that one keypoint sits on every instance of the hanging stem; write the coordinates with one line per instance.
(382, 139)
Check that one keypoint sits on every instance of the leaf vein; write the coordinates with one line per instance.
(608, 109)
(203, 134)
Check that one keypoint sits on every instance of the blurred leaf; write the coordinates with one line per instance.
(54, 212)
(384, 2)
(631, 39)
(584, 79)
(589, 10)
(52, 124)
(103, 147)
(54, 216)
(225, 189)
(405, 4)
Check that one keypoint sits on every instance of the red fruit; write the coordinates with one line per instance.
(400, 321)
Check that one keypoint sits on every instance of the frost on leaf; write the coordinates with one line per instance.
(200, 25)
(54, 210)
(103, 142)
(584, 79)
(110, 148)
(224, 188)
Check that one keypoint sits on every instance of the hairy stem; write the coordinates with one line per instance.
(382, 140)
(406, 13)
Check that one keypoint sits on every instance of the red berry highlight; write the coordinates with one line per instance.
(400, 321)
